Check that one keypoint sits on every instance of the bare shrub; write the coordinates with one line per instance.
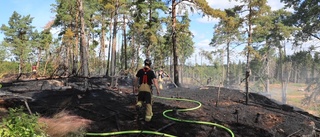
(65, 125)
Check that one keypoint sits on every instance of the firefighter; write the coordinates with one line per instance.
(161, 76)
(145, 77)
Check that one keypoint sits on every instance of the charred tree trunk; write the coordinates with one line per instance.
(174, 44)
(227, 83)
(75, 52)
(248, 56)
(109, 49)
(83, 47)
(114, 46)
(125, 43)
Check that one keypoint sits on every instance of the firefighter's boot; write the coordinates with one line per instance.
(149, 113)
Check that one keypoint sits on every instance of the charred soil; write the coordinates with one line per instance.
(113, 110)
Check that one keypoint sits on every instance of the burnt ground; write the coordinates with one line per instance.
(112, 110)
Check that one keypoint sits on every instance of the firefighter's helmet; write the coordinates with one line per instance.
(147, 62)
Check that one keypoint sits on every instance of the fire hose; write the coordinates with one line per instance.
(164, 113)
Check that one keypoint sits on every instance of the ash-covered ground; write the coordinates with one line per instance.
(113, 110)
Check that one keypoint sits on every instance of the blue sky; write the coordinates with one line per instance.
(39, 9)
(202, 28)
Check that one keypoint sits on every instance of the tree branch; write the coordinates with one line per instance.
(313, 35)
(184, 1)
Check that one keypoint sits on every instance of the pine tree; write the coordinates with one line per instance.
(227, 34)
(205, 8)
(18, 36)
(306, 16)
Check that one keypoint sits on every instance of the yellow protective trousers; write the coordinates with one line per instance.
(149, 113)
(146, 97)
(160, 82)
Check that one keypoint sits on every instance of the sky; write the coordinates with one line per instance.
(201, 27)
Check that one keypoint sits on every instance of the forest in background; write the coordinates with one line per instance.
(112, 37)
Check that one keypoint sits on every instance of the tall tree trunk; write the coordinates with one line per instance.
(296, 74)
(283, 77)
(181, 70)
(38, 60)
(114, 46)
(228, 65)
(148, 54)
(21, 65)
(267, 74)
(313, 69)
(133, 53)
(267, 67)
(83, 46)
(125, 43)
(67, 59)
(110, 47)
(102, 54)
(138, 57)
(174, 44)
(248, 56)
(90, 37)
(76, 46)
(121, 58)
(223, 71)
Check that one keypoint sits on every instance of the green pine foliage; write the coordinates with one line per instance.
(306, 16)
(7, 67)
(19, 124)
(18, 36)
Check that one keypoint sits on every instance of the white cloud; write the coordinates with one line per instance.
(208, 20)
(275, 4)
(304, 47)
(216, 4)
(194, 32)
(204, 44)
(198, 35)
(222, 4)
(55, 31)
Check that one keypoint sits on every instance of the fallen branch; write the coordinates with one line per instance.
(26, 103)
(294, 133)
(164, 127)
